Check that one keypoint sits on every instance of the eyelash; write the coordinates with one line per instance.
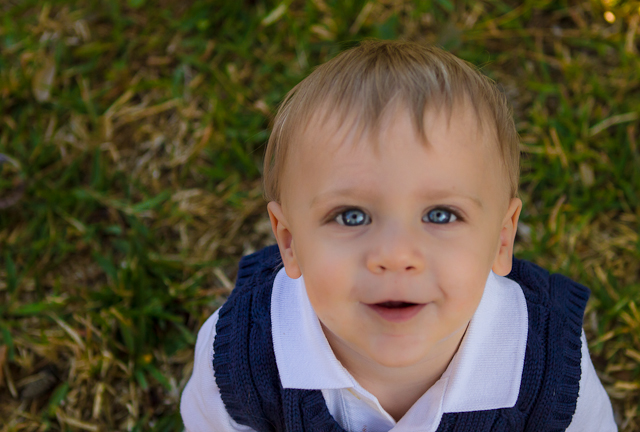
(334, 216)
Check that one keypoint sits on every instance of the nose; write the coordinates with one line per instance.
(396, 250)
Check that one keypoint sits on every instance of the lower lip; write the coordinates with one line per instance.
(397, 315)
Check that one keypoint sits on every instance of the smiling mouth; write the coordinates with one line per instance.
(395, 304)
(396, 311)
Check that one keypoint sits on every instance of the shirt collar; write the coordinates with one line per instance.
(484, 374)
(486, 371)
(303, 355)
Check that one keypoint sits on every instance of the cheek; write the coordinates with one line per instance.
(330, 300)
(329, 278)
(469, 293)
(324, 262)
(465, 254)
(464, 296)
(461, 277)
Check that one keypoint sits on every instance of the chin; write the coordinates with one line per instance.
(396, 362)
(396, 357)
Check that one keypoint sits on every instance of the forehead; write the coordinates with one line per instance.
(455, 152)
(458, 129)
(333, 125)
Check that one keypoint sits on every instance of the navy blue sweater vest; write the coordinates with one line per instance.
(247, 374)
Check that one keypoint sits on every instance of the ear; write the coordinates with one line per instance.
(283, 235)
(502, 262)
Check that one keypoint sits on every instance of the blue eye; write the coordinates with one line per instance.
(353, 217)
(440, 216)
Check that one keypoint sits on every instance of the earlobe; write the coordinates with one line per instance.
(503, 260)
(283, 235)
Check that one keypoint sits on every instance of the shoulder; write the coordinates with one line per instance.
(259, 265)
(593, 410)
(552, 290)
(243, 344)
(201, 406)
(551, 374)
(556, 307)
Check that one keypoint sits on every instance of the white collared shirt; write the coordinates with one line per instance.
(474, 380)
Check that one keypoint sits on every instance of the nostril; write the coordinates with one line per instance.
(394, 263)
(408, 268)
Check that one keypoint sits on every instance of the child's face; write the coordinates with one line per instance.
(362, 227)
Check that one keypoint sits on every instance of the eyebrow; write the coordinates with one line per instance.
(432, 195)
(337, 193)
(443, 194)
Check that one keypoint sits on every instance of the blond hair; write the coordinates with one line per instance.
(370, 77)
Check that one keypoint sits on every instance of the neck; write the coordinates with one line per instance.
(396, 388)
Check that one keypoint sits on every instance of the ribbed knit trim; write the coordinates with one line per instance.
(565, 301)
(574, 296)
(233, 362)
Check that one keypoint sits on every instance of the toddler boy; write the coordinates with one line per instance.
(392, 301)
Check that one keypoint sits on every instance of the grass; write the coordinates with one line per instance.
(134, 132)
